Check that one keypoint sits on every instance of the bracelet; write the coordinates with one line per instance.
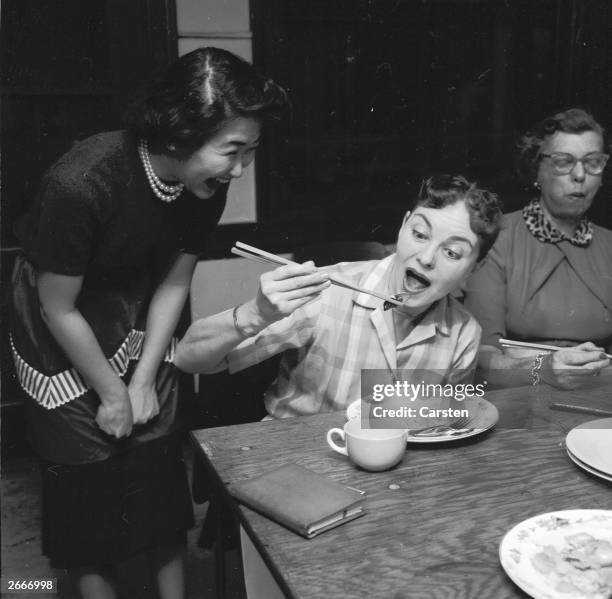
(240, 330)
(535, 369)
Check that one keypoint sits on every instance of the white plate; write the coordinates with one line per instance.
(591, 443)
(483, 413)
(586, 467)
(548, 532)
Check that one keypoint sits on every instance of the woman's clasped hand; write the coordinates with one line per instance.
(110, 244)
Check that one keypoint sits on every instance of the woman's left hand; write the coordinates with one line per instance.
(571, 367)
(143, 398)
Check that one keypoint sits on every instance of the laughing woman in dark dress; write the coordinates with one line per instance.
(109, 249)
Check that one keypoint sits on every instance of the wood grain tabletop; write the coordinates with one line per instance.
(435, 521)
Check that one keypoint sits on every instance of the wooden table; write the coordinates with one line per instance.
(435, 521)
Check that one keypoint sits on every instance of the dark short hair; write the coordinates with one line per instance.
(198, 95)
(483, 206)
(573, 120)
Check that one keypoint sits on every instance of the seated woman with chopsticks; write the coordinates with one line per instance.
(329, 332)
(548, 278)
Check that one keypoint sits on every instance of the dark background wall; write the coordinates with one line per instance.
(384, 92)
(69, 69)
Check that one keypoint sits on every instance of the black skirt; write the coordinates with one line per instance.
(103, 512)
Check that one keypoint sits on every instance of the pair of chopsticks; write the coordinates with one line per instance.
(253, 253)
(527, 345)
(566, 407)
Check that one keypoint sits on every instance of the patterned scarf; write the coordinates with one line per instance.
(543, 230)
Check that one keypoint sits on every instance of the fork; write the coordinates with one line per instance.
(458, 426)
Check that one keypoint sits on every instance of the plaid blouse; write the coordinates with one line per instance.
(327, 343)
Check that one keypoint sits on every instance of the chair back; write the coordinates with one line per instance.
(221, 399)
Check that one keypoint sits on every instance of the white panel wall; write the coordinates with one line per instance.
(219, 285)
(210, 16)
(224, 24)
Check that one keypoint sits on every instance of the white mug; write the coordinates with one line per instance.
(371, 448)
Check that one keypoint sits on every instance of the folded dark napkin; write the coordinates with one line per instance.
(300, 499)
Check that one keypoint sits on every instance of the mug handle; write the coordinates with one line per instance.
(332, 444)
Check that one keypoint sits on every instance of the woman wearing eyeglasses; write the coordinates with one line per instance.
(548, 278)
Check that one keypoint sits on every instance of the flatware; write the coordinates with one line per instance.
(253, 253)
(441, 432)
(565, 407)
(528, 345)
(458, 427)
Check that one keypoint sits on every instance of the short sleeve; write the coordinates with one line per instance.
(485, 293)
(62, 237)
(466, 355)
(293, 332)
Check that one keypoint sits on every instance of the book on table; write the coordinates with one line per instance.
(300, 499)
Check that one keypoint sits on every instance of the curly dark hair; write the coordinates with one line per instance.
(528, 146)
(483, 206)
(197, 96)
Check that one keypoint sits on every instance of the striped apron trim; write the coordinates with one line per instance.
(54, 391)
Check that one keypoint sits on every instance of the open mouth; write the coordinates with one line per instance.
(215, 182)
(415, 281)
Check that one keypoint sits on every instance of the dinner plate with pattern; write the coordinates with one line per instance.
(561, 555)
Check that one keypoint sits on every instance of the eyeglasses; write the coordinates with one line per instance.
(563, 163)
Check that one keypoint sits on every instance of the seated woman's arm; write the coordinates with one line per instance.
(208, 340)
(486, 298)
(566, 368)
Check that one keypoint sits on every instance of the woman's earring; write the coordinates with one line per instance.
(537, 185)
(171, 147)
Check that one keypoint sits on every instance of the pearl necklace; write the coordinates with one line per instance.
(166, 193)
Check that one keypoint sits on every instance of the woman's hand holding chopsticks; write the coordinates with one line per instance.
(280, 293)
(569, 367)
(561, 367)
(252, 253)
